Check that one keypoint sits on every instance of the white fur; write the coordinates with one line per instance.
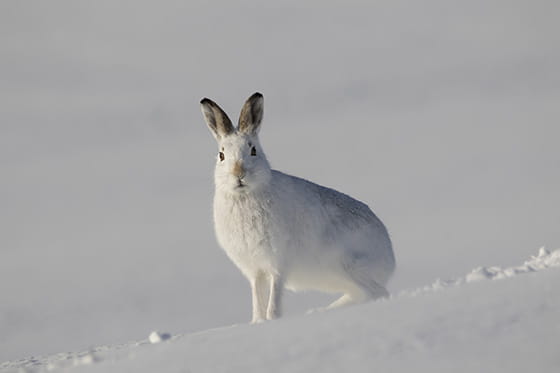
(285, 232)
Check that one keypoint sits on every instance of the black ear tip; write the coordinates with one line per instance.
(207, 101)
(257, 95)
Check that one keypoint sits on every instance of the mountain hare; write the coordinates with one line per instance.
(285, 232)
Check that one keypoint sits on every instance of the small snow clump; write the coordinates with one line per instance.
(157, 337)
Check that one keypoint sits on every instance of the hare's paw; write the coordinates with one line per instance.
(257, 320)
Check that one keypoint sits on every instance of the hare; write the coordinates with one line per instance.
(282, 231)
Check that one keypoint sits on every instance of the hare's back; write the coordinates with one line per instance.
(334, 213)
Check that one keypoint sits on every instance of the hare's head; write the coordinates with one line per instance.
(241, 165)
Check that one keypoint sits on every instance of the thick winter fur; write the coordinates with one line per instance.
(285, 232)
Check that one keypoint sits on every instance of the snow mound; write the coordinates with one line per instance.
(544, 259)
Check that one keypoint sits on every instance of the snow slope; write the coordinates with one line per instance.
(469, 324)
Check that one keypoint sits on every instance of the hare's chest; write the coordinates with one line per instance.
(244, 229)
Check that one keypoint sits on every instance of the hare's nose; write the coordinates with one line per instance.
(238, 170)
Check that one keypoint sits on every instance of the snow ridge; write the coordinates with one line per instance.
(544, 259)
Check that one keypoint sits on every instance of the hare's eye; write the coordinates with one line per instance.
(253, 151)
(222, 156)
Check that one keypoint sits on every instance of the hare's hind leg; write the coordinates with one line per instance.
(361, 294)
(259, 290)
(356, 296)
(365, 287)
(346, 300)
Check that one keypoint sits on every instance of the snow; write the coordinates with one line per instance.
(157, 337)
(544, 259)
(441, 116)
(476, 325)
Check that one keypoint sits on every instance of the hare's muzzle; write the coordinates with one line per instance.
(238, 170)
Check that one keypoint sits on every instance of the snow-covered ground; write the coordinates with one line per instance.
(442, 116)
(463, 325)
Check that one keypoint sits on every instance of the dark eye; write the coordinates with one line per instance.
(253, 151)
(222, 156)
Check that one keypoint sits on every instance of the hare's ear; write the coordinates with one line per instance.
(251, 115)
(217, 120)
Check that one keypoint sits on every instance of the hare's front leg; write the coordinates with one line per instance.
(259, 290)
(274, 309)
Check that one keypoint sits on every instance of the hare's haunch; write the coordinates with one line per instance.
(285, 232)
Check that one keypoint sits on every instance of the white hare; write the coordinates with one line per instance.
(285, 232)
